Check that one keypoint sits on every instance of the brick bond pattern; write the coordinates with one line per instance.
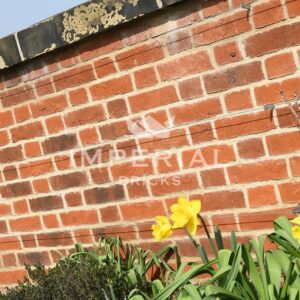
(206, 67)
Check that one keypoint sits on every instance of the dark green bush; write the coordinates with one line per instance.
(85, 278)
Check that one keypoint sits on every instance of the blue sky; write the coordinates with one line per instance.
(19, 14)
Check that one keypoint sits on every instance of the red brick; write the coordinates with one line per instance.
(251, 148)
(233, 77)
(145, 77)
(220, 29)
(54, 239)
(283, 143)
(190, 88)
(209, 155)
(36, 168)
(258, 171)
(213, 201)
(83, 236)
(214, 7)
(5, 209)
(16, 189)
(10, 173)
(124, 232)
(54, 124)
(89, 136)
(286, 118)
(267, 13)
(27, 224)
(174, 184)
(261, 196)
(272, 40)
(225, 222)
(112, 87)
(4, 138)
(92, 114)
(201, 133)
(22, 113)
(68, 57)
(74, 77)
(137, 189)
(26, 132)
(166, 163)
(228, 53)
(213, 177)
(3, 227)
(9, 260)
(290, 192)
(104, 67)
(183, 66)
(41, 185)
(178, 41)
(238, 100)
(6, 119)
(29, 241)
(132, 169)
(21, 207)
(78, 96)
(139, 56)
(295, 165)
(9, 243)
(13, 276)
(44, 87)
(176, 138)
(46, 203)
(189, 112)
(49, 106)
(100, 175)
(109, 214)
(268, 94)
(82, 217)
(261, 220)
(117, 108)
(280, 65)
(17, 96)
(293, 7)
(104, 195)
(11, 154)
(62, 182)
(142, 210)
(244, 125)
(33, 149)
(73, 199)
(151, 99)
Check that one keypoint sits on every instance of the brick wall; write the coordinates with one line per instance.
(209, 70)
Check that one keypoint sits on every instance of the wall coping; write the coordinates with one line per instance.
(71, 26)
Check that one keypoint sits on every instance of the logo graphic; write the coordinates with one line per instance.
(150, 127)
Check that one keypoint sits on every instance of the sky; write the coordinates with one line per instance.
(20, 14)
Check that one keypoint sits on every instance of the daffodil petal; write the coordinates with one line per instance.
(195, 205)
(296, 233)
(296, 221)
(192, 226)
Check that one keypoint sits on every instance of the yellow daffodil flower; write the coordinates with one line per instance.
(184, 214)
(296, 221)
(296, 232)
(162, 229)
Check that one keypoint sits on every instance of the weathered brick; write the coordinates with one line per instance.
(213, 177)
(261, 196)
(26, 132)
(227, 53)
(238, 100)
(59, 143)
(290, 192)
(251, 148)
(74, 77)
(233, 77)
(109, 214)
(36, 168)
(6, 119)
(28, 224)
(283, 143)
(16, 96)
(34, 258)
(54, 239)
(145, 77)
(104, 67)
(46, 203)
(16, 189)
(293, 7)
(117, 108)
(190, 88)
(183, 66)
(104, 195)
(22, 113)
(62, 182)
(76, 218)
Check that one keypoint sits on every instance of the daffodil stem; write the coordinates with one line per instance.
(208, 236)
(191, 238)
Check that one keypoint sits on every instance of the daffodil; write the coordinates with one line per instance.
(296, 221)
(162, 229)
(296, 232)
(184, 214)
